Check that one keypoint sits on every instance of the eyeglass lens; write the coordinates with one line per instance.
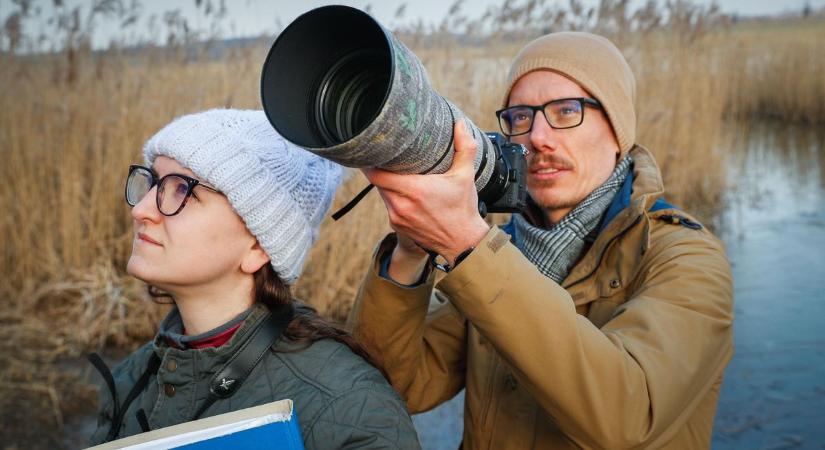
(172, 190)
(140, 181)
(172, 193)
(559, 114)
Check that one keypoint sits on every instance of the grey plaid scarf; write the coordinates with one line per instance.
(555, 250)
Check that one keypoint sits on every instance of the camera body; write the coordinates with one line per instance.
(506, 192)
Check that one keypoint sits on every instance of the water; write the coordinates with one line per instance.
(773, 226)
(774, 229)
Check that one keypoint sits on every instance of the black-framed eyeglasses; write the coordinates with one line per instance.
(173, 190)
(560, 114)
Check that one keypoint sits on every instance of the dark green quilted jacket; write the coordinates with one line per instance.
(341, 401)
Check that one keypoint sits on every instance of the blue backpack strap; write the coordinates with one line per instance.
(661, 204)
(674, 219)
(510, 227)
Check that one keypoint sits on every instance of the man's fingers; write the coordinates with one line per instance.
(416, 187)
(465, 148)
(399, 205)
(389, 181)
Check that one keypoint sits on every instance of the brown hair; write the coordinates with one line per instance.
(307, 326)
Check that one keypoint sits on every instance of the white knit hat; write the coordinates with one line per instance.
(281, 191)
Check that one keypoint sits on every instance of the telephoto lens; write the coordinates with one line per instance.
(336, 83)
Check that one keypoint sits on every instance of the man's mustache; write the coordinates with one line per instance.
(543, 161)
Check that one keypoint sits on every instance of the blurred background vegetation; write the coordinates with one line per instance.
(73, 118)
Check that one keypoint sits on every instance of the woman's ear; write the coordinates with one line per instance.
(254, 259)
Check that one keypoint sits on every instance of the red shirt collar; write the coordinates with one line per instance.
(211, 341)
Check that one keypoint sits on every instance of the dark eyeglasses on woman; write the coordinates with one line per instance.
(173, 190)
(560, 114)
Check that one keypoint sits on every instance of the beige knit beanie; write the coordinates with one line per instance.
(595, 64)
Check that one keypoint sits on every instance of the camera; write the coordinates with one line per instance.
(507, 189)
(338, 84)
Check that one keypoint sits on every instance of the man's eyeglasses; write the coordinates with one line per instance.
(562, 113)
(173, 189)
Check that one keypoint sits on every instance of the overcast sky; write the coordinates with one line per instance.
(257, 17)
(256, 13)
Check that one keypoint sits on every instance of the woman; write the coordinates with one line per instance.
(224, 213)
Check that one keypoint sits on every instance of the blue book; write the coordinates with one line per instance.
(269, 426)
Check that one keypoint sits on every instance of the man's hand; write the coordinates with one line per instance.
(439, 212)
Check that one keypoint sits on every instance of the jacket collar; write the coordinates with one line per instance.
(620, 202)
(208, 360)
(641, 190)
(171, 330)
(642, 194)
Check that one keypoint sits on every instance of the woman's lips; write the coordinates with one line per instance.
(147, 239)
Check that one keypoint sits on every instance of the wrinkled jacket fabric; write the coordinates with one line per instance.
(628, 352)
(341, 401)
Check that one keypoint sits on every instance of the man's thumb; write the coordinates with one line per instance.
(465, 147)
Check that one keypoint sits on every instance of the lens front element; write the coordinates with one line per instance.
(350, 96)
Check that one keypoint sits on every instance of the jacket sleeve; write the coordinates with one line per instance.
(370, 417)
(633, 382)
(423, 354)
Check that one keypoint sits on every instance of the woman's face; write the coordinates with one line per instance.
(204, 244)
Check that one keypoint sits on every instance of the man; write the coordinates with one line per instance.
(599, 318)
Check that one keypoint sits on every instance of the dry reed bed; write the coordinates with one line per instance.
(66, 231)
(778, 70)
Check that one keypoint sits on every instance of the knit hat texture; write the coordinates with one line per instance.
(595, 64)
(281, 191)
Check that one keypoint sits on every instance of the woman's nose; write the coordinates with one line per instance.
(147, 207)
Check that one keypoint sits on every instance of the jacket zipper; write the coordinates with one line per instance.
(604, 250)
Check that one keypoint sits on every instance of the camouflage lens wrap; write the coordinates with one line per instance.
(413, 133)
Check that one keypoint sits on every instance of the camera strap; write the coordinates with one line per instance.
(119, 411)
(228, 379)
(351, 204)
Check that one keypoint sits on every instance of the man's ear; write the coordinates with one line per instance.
(254, 259)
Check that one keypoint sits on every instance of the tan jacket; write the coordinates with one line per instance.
(627, 353)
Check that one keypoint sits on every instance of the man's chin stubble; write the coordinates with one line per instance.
(547, 186)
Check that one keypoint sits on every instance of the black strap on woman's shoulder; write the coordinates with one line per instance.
(104, 371)
(231, 376)
(225, 382)
(143, 421)
(118, 411)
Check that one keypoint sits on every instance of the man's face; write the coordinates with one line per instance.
(564, 165)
